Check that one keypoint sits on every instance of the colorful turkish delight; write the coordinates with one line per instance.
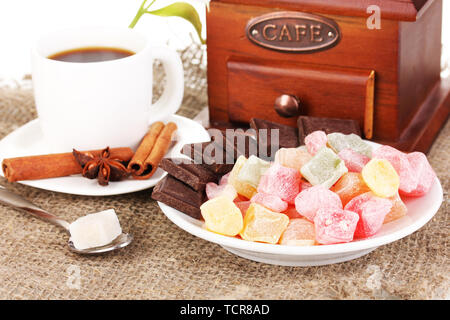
(222, 216)
(325, 168)
(339, 141)
(349, 186)
(333, 189)
(299, 232)
(263, 225)
(294, 158)
(372, 211)
(381, 177)
(309, 201)
(315, 141)
(281, 181)
(335, 225)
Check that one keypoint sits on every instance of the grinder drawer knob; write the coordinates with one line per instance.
(287, 105)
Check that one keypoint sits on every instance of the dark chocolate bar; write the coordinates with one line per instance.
(194, 175)
(307, 125)
(179, 195)
(288, 136)
(205, 153)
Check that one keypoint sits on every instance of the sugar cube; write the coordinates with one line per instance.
(95, 229)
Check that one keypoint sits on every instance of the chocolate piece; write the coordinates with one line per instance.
(222, 125)
(205, 153)
(236, 141)
(179, 195)
(192, 174)
(306, 125)
(288, 136)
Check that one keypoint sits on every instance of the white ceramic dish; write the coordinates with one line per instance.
(27, 140)
(420, 211)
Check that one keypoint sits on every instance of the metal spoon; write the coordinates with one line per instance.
(17, 202)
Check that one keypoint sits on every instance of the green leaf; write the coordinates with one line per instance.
(182, 10)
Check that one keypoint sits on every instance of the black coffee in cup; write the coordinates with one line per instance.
(91, 54)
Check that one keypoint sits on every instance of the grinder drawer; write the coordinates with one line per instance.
(322, 91)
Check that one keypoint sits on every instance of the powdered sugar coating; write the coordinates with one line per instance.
(281, 181)
(315, 141)
(270, 201)
(309, 201)
(424, 172)
(294, 158)
(335, 225)
(353, 160)
(299, 232)
(371, 210)
(399, 160)
(213, 190)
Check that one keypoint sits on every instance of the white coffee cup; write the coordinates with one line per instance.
(97, 104)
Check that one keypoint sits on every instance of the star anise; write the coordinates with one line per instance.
(102, 167)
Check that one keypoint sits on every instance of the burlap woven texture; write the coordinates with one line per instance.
(165, 262)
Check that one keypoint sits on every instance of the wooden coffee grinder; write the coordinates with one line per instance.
(333, 58)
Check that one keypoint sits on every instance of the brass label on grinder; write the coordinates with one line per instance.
(292, 31)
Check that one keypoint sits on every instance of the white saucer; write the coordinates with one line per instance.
(420, 211)
(28, 140)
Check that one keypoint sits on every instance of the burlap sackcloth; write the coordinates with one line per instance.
(165, 262)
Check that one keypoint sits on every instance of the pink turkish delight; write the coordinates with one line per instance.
(315, 141)
(425, 173)
(354, 161)
(309, 201)
(371, 211)
(335, 225)
(280, 181)
(270, 201)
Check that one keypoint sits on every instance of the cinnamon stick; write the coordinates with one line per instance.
(136, 165)
(158, 152)
(52, 165)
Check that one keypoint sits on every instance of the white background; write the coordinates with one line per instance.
(23, 21)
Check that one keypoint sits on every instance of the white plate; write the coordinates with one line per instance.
(420, 211)
(28, 140)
